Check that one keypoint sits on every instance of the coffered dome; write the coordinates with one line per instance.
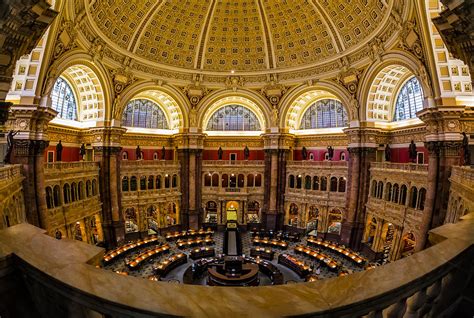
(242, 35)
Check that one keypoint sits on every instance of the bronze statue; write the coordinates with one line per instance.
(388, 153)
(138, 153)
(82, 151)
(220, 152)
(10, 142)
(163, 153)
(412, 152)
(466, 151)
(59, 151)
(330, 152)
(304, 153)
(246, 153)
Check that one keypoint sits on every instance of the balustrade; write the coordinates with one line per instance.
(10, 172)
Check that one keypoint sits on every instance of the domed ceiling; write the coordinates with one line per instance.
(241, 35)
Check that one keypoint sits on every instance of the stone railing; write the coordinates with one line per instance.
(69, 166)
(10, 172)
(463, 175)
(148, 163)
(400, 166)
(315, 164)
(233, 162)
(62, 277)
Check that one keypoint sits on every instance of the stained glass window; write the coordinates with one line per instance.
(144, 113)
(409, 100)
(233, 118)
(63, 100)
(326, 113)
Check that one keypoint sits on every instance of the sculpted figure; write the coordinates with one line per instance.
(138, 153)
(246, 153)
(82, 151)
(412, 152)
(220, 152)
(163, 153)
(10, 141)
(304, 153)
(388, 153)
(330, 152)
(59, 151)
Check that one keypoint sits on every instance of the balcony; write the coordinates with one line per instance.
(214, 163)
(409, 167)
(427, 283)
(463, 175)
(317, 164)
(8, 173)
(74, 166)
(149, 163)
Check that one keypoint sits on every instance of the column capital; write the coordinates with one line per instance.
(31, 121)
(189, 140)
(106, 136)
(278, 141)
(442, 122)
(363, 137)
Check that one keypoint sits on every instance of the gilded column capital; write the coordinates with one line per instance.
(189, 140)
(363, 137)
(31, 121)
(442, 123)
(105, 136)
(278, 141)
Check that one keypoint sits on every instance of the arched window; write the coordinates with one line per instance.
(49, 198)
(125, 184)
(80, 190)
(56, 196)
(144, 113)
(225, 180)
(409, 100)
(233, 118)
(292, 181)
(324, 183)
(250, 180)
(158, 182)
(67, 193)
(63, 100)
(73, 192)
(395, 193)
(380, 190)
(298, 182)
(215, 180)
(94, 187)
(326, 113)
(421, 199)
(258, 180)
(124, 155)
(388, 192)
(167, 181)
(133, 183)
(240, 181)
(207, 180)
(307, 182)
(151, 182)
(342, 184)
(316, 183)
(413, 197)
(143, 183)
(174, 181)
(233, 181)
(342, 156)
(403, 195)
(374, 188)
(333, 184)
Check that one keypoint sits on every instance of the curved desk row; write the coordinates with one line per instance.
(187, 234)
(341, 250)
(194, 242)
(113, 254)
(144, 256)
(167, 265)
(272, 243)
(296, 265)
(322, 258)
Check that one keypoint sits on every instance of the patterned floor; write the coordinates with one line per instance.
(176, 275)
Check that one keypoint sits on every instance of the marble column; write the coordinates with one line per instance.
(191, 166)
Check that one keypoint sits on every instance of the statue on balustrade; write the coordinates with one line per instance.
(246, 153)
(82, 151)
(304, 153)
(138, 153)
(330, 152)
(388, 153)
(10, 141)
(163, 153)
(465, 147)
(59, 151)
(412, 152)
(220, 152)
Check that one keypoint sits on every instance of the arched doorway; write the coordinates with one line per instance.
(313, 215)
(388, 231)
(334, 222)
(211, 212)
(152, 219)
(371, 228)
(253, 209)
(293, 215)
(131, 221)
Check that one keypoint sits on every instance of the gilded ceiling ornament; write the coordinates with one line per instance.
(376, 49)
(122, 78)
(234, 82)
(273, 91)
(97, 49)
(66, 39)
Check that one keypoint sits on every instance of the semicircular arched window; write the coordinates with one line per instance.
(144, 113)
(325, 113)
(233, 118)
(409, 100)
(63, 100)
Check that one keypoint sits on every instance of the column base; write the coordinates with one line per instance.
(114, 233)
(351, 234)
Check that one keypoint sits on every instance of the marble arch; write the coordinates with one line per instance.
(295, 103)
(86, 78)
(392, 71)
(252, 101)
(174, 104)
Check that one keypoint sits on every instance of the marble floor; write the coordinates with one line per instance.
(176, 275)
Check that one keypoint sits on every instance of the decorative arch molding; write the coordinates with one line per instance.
(396, 59)
(292, 110)
(249, 99)
(175, 105)
(79, 59)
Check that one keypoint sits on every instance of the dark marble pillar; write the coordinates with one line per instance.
(113, 223)
(191, 168)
